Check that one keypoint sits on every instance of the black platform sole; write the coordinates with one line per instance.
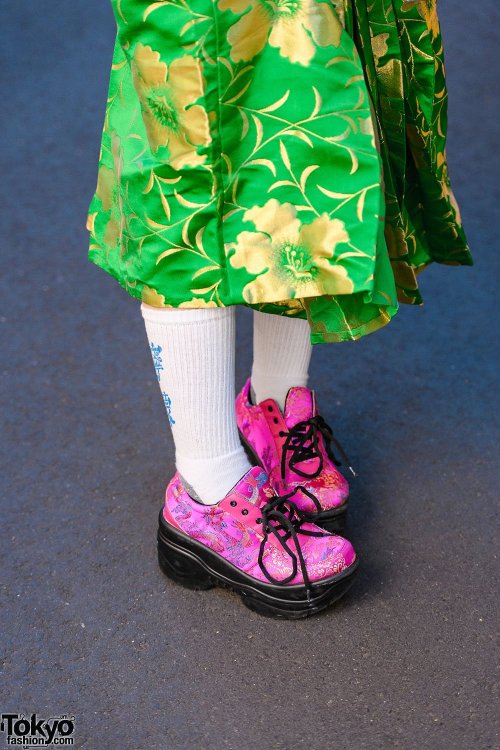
(192, 564)
(330, 520)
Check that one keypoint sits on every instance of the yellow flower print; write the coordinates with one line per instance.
(428, 11)
(292, 306)
(292, 258)
(152, 298)
(295, 27)
(91, 221)
(108, 192)
(167, 95)
(198, 302)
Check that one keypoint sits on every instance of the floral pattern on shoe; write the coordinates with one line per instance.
(233, 529)
(264, 427)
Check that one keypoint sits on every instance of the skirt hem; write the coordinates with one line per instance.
(316, 337)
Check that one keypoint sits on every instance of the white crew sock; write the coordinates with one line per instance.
(281, 356)
(193, 354)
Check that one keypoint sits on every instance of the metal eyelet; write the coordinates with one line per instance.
(259, 520)
(233, 503)
(245, 512)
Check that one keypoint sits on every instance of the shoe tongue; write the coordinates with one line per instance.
(255, 486)
(299, 405)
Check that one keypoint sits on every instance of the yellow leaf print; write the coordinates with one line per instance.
(168, 95)
(291, 258)
(295, 27)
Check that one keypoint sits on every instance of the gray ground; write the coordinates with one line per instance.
(90, 625)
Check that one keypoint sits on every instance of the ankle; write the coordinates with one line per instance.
(275, 386)
(208, 480)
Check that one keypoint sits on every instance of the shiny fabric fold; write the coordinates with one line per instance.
(288, 156)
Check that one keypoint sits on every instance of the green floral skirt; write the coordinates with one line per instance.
(287, 155)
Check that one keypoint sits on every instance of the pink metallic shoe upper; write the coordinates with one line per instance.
(291, 446)
(252, 529)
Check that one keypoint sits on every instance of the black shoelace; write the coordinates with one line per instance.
(302, 443)
(282, 515)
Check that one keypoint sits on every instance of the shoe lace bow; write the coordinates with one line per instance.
(284, 520)
(302, 443)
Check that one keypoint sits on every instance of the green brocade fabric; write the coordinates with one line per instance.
(287, 155)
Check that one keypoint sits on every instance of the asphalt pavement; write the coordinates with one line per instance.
(89, 625)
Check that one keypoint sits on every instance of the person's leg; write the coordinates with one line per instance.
(241, 532)
(193, 354)
(281, 356)
(281, 425)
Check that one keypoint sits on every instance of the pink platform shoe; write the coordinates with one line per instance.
(256, 543)
(294, 448)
